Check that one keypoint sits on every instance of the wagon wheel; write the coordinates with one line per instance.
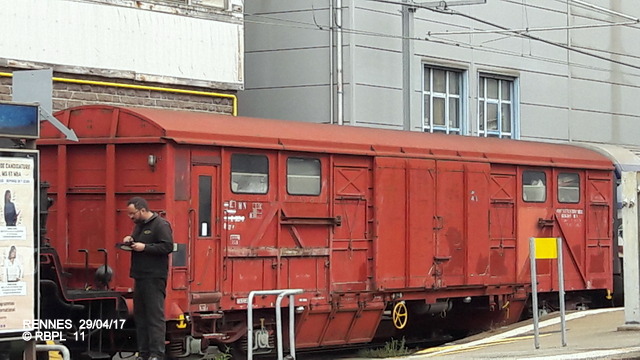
(400, 315)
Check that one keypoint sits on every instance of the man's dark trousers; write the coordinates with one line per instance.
(148, 312)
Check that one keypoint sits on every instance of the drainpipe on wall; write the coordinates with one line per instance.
(407, 55)
(332, 106)
(339, 75)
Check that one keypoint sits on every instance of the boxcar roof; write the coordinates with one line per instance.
(103, 123)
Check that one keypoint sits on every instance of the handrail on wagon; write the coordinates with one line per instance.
(281, 294)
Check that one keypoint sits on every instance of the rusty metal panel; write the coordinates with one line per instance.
(421, 199)
(351, 325)
(182, 178)
(451, 243)
(85, 234)
(476, 199)
(307, 235)
(48, 168)
(529, 215)
(134, 175)
(131, 124)
(91, 122)
(351, 248)
(308, 273)
(404, 210)
(307, 329)
(249, 230)
(88, 168)
(502, 227)
(391, 213)
(306, 220)
(247, 274)
(338, 327)
(350, 266)
(599, 232)
(571, 219)
(366, 323)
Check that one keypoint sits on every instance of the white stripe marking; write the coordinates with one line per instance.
(596, 354)
(524, 329)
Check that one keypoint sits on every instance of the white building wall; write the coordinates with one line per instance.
(139, 40)
(562, 94)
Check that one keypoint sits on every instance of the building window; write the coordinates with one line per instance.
(496, 109)
(442, 100)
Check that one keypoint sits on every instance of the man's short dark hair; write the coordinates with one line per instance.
(139, 203)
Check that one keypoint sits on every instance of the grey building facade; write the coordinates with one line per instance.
(539, 70)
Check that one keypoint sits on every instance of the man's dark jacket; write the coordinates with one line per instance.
(153, 261)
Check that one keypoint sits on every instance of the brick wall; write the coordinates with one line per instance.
(66, 95)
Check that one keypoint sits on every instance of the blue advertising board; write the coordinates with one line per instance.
(19, 120)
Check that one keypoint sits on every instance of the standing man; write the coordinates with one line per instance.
(151, 242)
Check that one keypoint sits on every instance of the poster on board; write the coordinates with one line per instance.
(17, 241)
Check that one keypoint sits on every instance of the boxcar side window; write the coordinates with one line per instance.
(303, 176)
(534, 186)
(204, 209)
(568, 188)
(249, 174)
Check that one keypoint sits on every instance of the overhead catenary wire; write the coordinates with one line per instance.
(530, 30)
(443, 6)
(432, 38)
(520, 34)
(548, 42)
(605, 10)
(632, 20)
(309, 26)
(592, 8)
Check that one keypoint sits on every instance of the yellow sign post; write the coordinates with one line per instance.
(546, 248)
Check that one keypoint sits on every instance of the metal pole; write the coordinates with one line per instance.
(292, 341)
(250, 325)
(331, 63)
(292, 327)
(339, 68)
(563, 324)
(279, 326)
(281, 294)
(534, 292)
(407, 57)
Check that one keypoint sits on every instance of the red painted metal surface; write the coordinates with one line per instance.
(137, 124)
(423, 218)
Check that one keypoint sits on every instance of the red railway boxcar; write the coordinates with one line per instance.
(364, 221)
